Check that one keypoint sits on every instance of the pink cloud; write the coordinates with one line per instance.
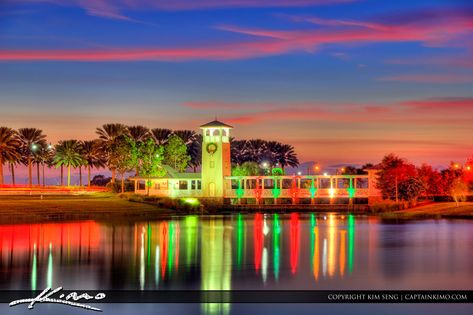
(422, 111)
(270, 42)
(334, 22)
(452, 105)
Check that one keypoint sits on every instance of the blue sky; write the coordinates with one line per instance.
(343, 81)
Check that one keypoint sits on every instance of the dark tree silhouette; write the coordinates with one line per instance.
(161, 135)
(31, 140)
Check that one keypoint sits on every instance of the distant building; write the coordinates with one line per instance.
(216, 182)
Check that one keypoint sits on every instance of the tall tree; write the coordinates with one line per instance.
(31, 140)
(161, 135)
(150, 157)
(139, 134)
(458, 190)
(124, 157)
(68, 154)
(93, 156)
(398, 179)
(9, 144)
(43, 157)
(431, 180)
(109, 135)
(175, 154)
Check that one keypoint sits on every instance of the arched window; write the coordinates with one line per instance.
(224, 133)
(216, 132)
(207, 132)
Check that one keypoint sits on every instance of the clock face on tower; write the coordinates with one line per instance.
(211, 148)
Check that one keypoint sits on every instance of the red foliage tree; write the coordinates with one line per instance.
(398, 179)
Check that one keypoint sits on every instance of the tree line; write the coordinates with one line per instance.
(400, 180)
(118, 147)
(123, 149)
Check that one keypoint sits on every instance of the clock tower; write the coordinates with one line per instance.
(216, 162)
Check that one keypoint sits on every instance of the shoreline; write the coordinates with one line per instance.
(110, 207)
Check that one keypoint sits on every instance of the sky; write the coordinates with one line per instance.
(344, 81)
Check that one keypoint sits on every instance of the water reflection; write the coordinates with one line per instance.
(216, 261)
(258, 251)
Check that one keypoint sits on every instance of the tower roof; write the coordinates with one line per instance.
(215, 124)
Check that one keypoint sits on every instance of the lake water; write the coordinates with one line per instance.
(258, 251)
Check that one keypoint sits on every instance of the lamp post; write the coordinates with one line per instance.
(33, 148)
(265, 166)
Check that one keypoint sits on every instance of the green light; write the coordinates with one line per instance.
(148, 252)
(240, 191)
(276, 190)
(312, 236)
(34, 269)
(313, 189)
(50, 267)
(351, 241)
(191, 201)
(277, 171)
(240, 231)
(190, 222)
(276, 252)
(170, 246)
(142, 261)
(351, 190)
(313, 223)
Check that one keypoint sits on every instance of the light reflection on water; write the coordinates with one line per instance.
(260, 251)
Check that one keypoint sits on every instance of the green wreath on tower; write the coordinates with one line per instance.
(211, 148)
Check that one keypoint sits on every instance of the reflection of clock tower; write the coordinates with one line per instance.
(216, 163)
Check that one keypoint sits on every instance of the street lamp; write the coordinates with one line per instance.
(265, 166)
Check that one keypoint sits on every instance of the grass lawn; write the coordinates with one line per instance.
(74, 207)
(434, 210)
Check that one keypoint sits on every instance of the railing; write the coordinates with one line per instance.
(304, 186)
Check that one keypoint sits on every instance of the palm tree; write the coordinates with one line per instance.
(13, 161)
(42, 157)
(109, 135)
(238, 151)
(193, 142)
(9, 144)
(286, 156)
(92, 155)
(68, 153)
(195, 152)
(31, 140)
(161, 135)
(139, 133)
(255, 150)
